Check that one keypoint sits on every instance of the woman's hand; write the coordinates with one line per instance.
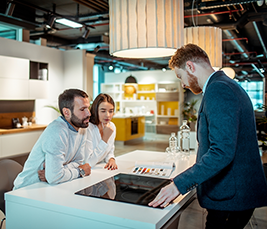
(111, 164)
(107, 132)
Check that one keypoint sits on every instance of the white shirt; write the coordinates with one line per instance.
(96, 149)
(62, 150)
(206, 83)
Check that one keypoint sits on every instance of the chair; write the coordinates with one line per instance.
(2, 220)
(9, 170)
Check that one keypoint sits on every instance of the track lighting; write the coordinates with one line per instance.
(86, 33)
(50, 21)
(10, 8)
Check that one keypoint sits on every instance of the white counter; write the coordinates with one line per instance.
(45, 206)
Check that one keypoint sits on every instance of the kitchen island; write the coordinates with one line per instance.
(56, 206)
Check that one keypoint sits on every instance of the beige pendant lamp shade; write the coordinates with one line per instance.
(145, 28)
(229, 72)
(209, 39)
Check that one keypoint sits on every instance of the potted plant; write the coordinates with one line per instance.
(190, 113)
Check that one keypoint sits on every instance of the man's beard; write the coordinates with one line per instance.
(193, 84)
(79, 123)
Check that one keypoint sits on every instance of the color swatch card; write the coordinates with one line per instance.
(159, 169)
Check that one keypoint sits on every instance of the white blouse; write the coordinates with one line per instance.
(96, 149)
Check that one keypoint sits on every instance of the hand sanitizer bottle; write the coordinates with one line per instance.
(173, 143)
(185, 139)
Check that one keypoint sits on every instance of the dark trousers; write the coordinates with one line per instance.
(228, 219)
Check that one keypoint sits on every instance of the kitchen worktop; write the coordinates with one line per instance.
(128, 115)
(33, 127)
(61, 208)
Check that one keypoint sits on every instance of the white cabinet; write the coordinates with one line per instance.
(38, 89)
(14, 89)
(16, 144)
(17, 82)
(14, 75)
(14, 68)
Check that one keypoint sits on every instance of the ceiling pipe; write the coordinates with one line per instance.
(207, 14)
(241, 48)
(260, 38)
(242, 38)
(217, 4)
(238, 53)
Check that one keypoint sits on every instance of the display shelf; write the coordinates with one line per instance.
(38, 71)
(138, 100)
(134, 97)
(167, 116)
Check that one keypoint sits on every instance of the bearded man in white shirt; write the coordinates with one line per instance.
(59, 153)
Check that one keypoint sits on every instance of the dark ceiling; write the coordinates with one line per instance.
(244, 25)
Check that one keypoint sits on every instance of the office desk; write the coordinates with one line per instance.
(56, 206)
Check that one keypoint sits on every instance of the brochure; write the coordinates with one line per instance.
(158, 169)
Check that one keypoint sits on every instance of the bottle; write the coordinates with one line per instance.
(173, 143)
(185, 139)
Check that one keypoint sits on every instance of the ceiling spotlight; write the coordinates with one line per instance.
(10, 8)
(96, 49)
(86, 33)
(50, 21)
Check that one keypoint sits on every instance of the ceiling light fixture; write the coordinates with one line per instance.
(10, 8)
(69, 23)
(229, 72)
(50, 21)
(86, 33)
(145, 29)
(209, 39)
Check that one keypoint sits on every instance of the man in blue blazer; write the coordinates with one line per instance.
(228, 172)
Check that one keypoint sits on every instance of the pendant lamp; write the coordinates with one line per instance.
(209, 39)
(145, 28)
(229, 72)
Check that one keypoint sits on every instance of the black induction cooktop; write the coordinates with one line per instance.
(127, 188)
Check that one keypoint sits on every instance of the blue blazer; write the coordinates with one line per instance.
(228, 171)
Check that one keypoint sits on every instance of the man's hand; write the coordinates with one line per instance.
(165, 196)
(107, 132)
(87, 169)
(41, 174)
(111, 164)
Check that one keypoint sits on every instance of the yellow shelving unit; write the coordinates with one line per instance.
(150, 98)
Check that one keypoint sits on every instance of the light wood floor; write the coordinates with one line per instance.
(194, 216)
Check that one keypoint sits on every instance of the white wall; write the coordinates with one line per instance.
(142, 76)
(73, 68)
(59, 77)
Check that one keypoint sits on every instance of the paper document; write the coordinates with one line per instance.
(158, 169)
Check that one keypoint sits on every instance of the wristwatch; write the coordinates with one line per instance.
(82, 173)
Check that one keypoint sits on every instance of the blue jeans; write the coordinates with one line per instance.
(228, 219)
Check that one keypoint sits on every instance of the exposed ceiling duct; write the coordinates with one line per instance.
(242, 20)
